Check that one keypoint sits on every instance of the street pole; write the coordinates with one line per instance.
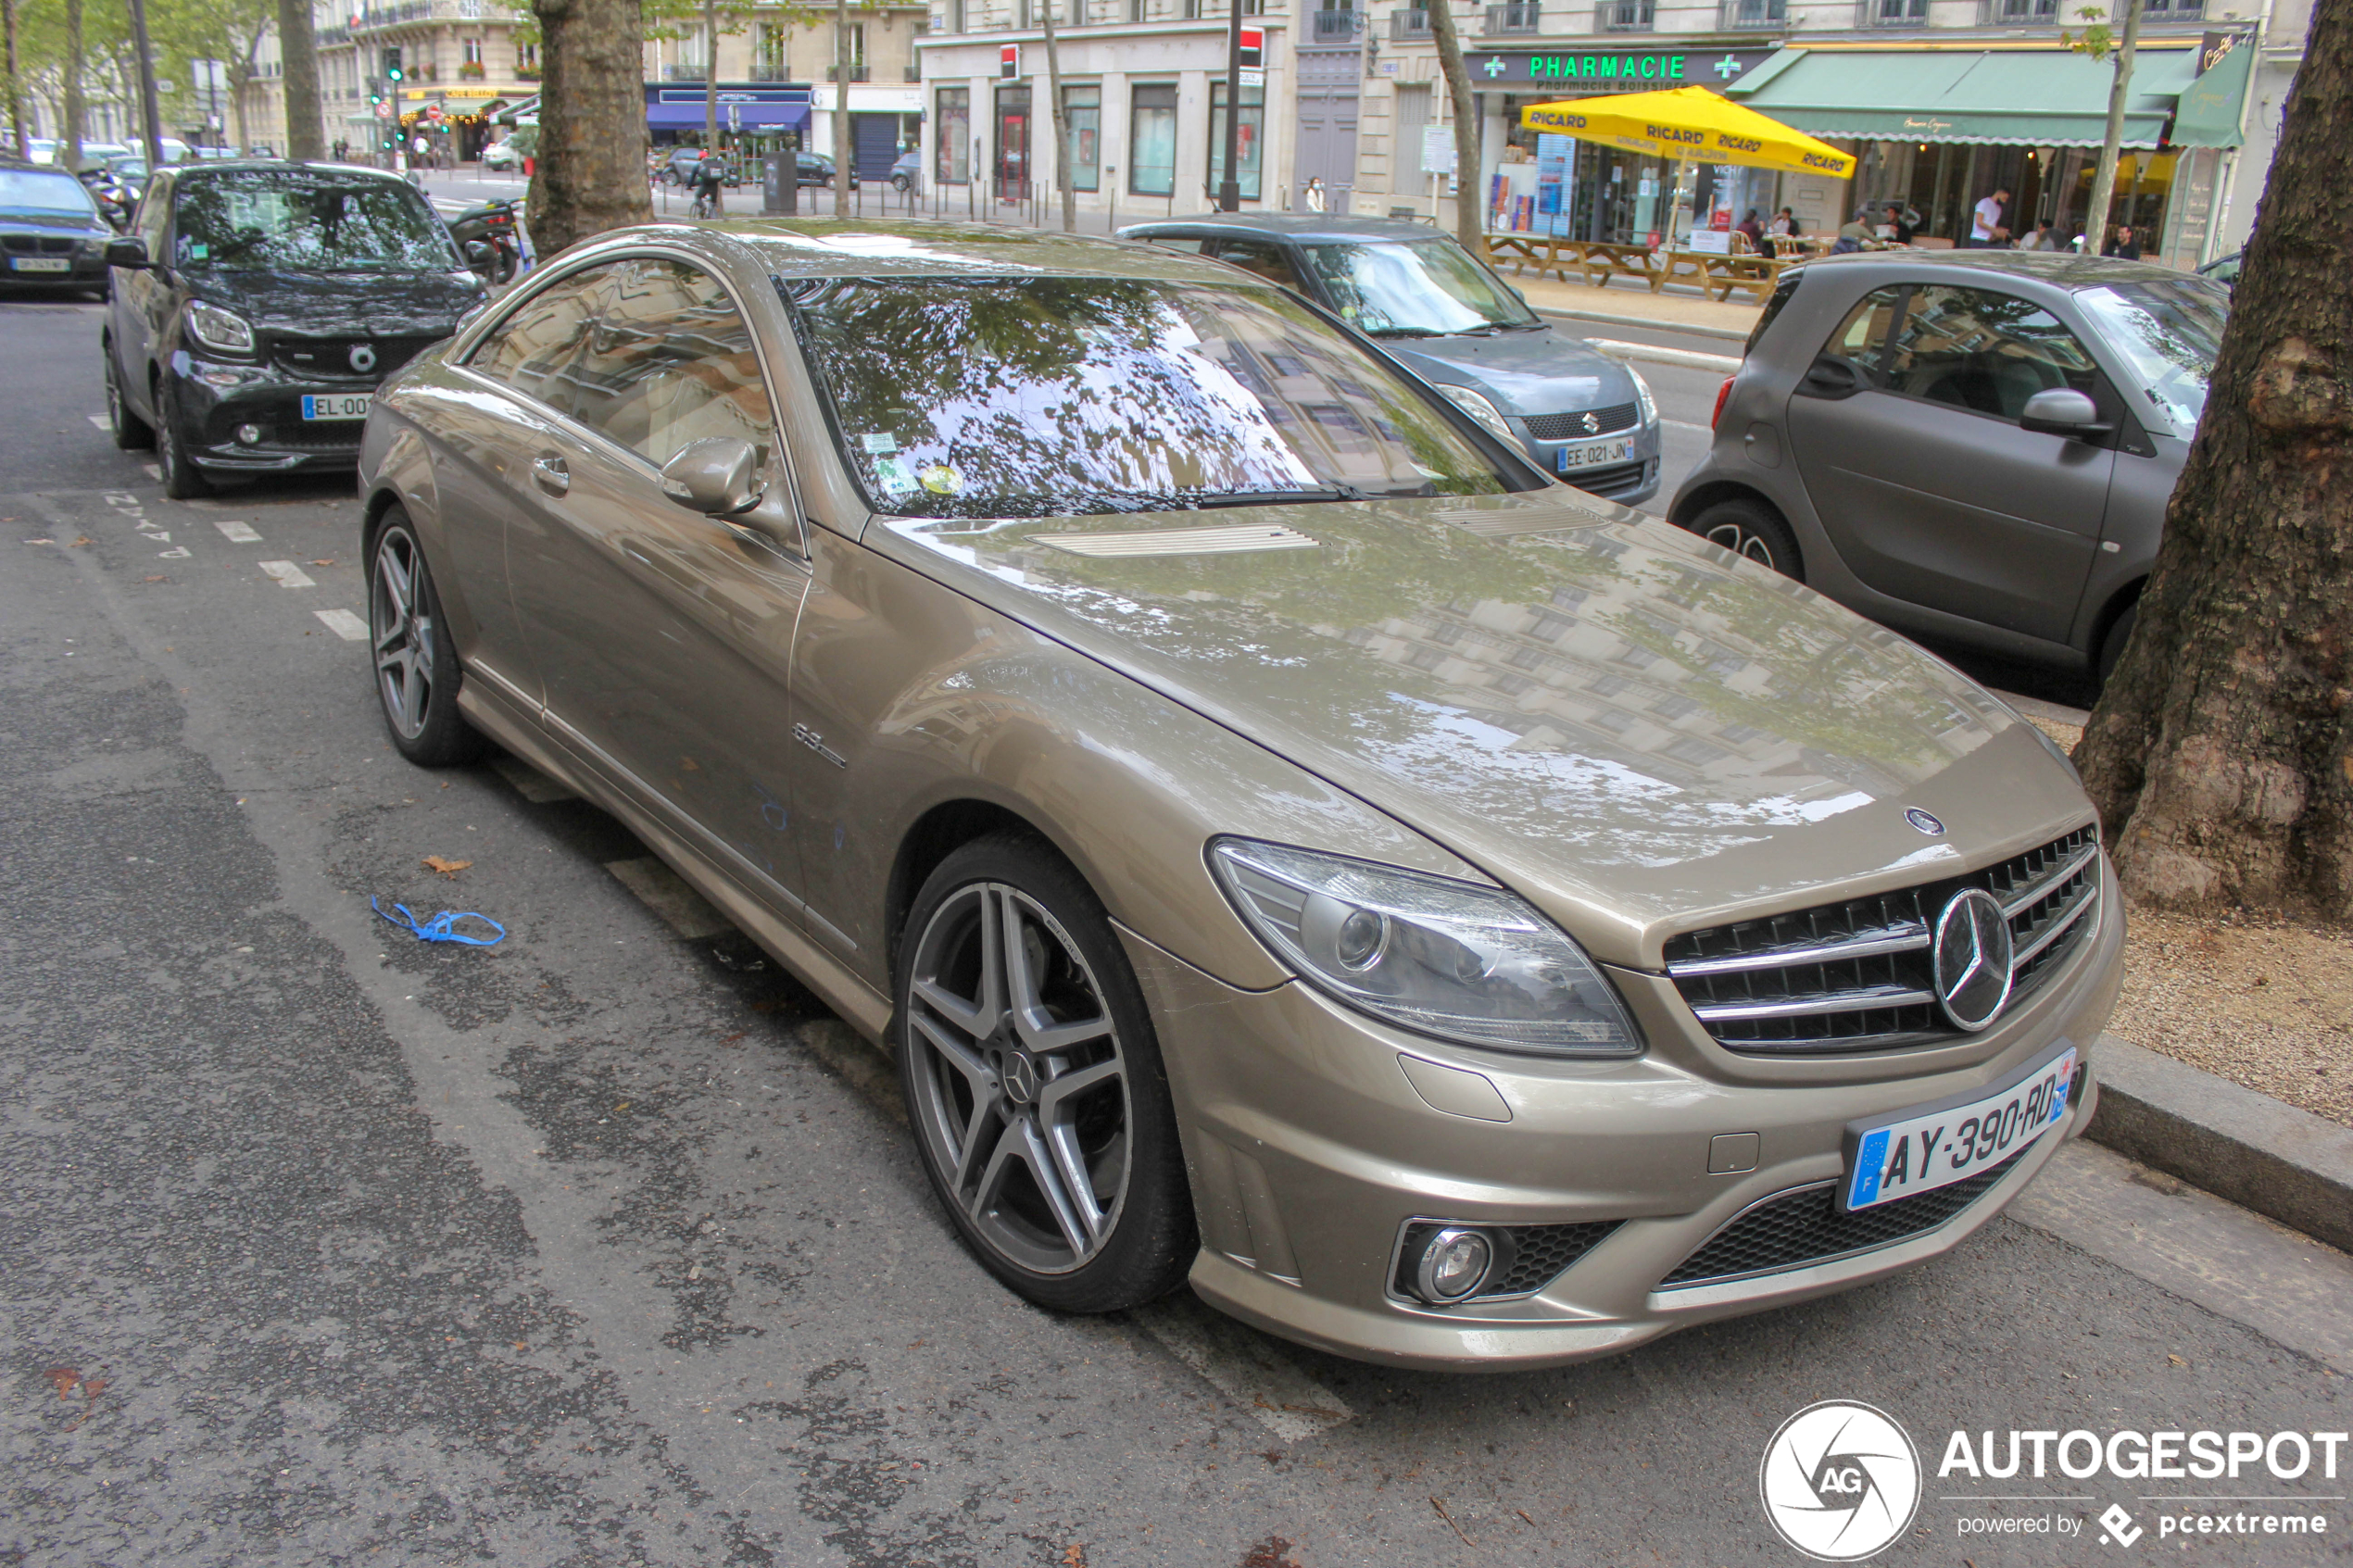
(147, 86)
(1229, 189)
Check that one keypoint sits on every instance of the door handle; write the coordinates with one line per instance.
(549, 472)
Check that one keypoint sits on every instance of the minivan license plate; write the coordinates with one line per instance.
(1932, 1150)
(341, 406)
(1599, 454)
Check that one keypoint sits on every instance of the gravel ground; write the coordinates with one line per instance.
(2262, 1002)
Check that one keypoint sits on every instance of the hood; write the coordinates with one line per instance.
(55, 222)
(1635, 728)
(315, 304)
(1538, 372)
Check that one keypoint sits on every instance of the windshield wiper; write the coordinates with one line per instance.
(1266, 498)
(1406, 331)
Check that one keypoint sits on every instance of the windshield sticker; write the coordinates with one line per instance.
(941, 480)
(198, 250)
(892, 475)
(879, 444)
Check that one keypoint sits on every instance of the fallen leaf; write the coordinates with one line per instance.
(85, 539)
(2176, 1360)
(93, 1386)
(65, 1379)
(323, 563)
(155, 579)
(1074, 1555)
(621, 1107)
(446, 868)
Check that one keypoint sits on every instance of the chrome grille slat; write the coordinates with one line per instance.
(1863, 946)
(2051, 881)
(1807, 1007)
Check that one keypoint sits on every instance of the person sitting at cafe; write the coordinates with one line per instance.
(1754, 232)
(1856, 235)
(2125, 245)
(1895, 229)
(1783, 226)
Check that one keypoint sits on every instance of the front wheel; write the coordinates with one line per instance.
(416, 663)
(182, 479)
(1034, 1083)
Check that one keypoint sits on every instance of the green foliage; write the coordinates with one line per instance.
(2096, 40)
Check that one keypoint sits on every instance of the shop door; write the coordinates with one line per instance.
(1013, 144)
(876, 137)
(1326, 147)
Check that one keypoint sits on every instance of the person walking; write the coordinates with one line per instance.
(1985, 221)
(709, 175)
(1314, 195)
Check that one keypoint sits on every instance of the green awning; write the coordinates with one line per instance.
(2032, 97)
(2209, 108)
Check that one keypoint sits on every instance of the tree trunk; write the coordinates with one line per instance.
(1062, 132)
(17, 132)
(591, 171)
(2221, 754)
(298, 49)
(1469, 208)
(711, 94)
(2095, 223)
(74, 111)
(844, 170)
(143, 60)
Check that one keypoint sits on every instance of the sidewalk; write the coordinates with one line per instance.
(1635, 305)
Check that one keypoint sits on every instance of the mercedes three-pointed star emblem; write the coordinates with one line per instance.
(1971, 959)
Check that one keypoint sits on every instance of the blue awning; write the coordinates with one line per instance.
(758, 115)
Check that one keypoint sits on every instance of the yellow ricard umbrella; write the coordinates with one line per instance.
(1691, 124)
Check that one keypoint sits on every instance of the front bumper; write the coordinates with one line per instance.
(1629, 482)
(85, 273)
(264, 396)
(1309, 1151)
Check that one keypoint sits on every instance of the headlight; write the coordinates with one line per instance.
(218, 330)
(1642, 396)
(1478, 408)
(1462, 962)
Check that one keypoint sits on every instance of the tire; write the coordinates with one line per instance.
(415, 663)
(1752, 529)
(1000, 1143)
(182, 479)
(502, 265)
(2113, 645)
(130, 433)
(899, 183)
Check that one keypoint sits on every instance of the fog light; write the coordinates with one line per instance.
(1453, 1264)
(249, 434)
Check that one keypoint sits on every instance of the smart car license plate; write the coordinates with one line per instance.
(341, 406)
(1598, 455)
(41, 264)
(1934, 1148)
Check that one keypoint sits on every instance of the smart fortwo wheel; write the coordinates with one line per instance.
(1751, 529)
(416, 664)
(1034, 1083)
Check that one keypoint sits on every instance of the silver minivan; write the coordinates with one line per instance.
(1971, 445)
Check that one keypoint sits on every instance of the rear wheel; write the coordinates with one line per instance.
(1034, 1083)
(1752, 529)
(416, 663)
(130, 433)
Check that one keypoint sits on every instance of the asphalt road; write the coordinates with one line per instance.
(604, 1244)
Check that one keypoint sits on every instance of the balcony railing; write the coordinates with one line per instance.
(857, 73)
(409, 11)
(1625, 16)
(770, 71)
(682, 73)
(1408, 22)
(1334, 27)
(1512, 19)
(1893, 13)
(1752, 16)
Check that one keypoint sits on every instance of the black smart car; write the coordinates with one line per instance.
(257, 304)
(51, 235)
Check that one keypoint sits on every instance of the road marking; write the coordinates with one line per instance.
(153, 473)
(1723, 364)
(101, 422)
(666, 893)
(288, 574)
(530, 783)
(1245, 1366)
(344, 624)
(238, 532)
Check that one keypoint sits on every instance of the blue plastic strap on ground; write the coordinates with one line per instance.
(438, 928)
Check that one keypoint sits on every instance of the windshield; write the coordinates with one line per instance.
(1065, 396)
(300, 222)
(1422, 288)
(2167, 333)
(58, 194)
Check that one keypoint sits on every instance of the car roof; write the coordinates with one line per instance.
(829, 247)
(2060, 269)
(1293, 226)
(232, 165)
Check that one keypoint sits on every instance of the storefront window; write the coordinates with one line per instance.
(951, 153)
(1254, 123)
(1151, 141)
(1083, 122)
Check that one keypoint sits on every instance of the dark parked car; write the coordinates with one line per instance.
(1970, 444)
(1580, 415)
(816, 168)
(258, 305)
(908, 172)
(51, 234)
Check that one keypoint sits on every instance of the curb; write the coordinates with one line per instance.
(1721, 364)
(1651, 323)
(2289, 1164)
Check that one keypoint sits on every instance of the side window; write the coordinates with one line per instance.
(534, 349)
(1985, 352)
(1860, 338)
(1261, 259)
(1184, 243)
(669, 361)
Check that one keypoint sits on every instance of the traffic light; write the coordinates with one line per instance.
(392, 63)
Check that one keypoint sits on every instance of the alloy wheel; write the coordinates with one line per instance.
(1020, 1086)
(1741, 542)
(402, 632)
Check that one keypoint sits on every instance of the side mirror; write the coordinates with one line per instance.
(2063, 411)
(479, 255)
(131, 253)
(718, 476)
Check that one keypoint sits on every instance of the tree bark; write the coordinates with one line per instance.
(143, 60)
(298, 49)
(591, 171)
(1469, 208)
(74, 111)
(2221, 754)
(16, 133)
(2096, 224)
(1062, 132)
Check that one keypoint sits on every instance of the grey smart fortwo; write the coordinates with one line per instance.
(1975, 446)
(1290, 843)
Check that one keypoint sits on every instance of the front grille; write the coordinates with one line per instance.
(1540, 1254)
(1608, 482)
(39, 245)
(1858, 975)
(1571, 427)
(295, 433)
(330, 358)
(1802, 1227)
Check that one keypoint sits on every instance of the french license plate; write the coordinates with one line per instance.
(1934, 1148)
(40, 263)
(1599, 455)
(339, 405)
